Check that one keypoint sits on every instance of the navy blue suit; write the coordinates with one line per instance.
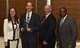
(29, 38)
(48, 32)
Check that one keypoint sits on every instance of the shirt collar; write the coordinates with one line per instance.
(48, 14)
(29, 12)
(65, 17)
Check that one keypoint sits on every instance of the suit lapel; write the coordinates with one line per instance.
(30, 18)
(47, 17)
(58, 23)
(65, 21)
(44, 20)
(24, 17)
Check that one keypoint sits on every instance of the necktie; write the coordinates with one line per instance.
(28, 17)
(62, 20)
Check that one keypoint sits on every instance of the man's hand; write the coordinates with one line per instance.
(29, 29)
(6, 44)
(58, 44)
(44, 43)
(69, 46)
(22, 29)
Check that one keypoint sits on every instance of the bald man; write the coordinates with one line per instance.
(48, 26)
(29, 24)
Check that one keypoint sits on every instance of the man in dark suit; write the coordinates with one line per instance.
(67, 31)
(30, 23)
(48, 26)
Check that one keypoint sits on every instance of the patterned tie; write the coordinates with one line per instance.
(28, 19)
(62, 20)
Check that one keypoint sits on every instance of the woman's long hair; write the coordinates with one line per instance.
(15, 17)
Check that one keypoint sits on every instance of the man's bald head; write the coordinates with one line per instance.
(47, 8)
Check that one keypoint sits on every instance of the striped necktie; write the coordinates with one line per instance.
(62, 20)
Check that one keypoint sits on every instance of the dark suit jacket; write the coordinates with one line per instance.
(66, 33)
(47, 32)
(34, 24)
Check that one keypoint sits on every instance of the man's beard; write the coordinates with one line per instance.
(62, 15)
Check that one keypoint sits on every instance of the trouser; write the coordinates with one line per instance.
(12, 43)
(26, 43)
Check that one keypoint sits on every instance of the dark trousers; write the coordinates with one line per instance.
(49, 45)
(12, 40)
(28, 41)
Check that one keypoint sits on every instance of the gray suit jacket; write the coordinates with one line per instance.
(67, 32)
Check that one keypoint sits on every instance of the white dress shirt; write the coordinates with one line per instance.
(62, 20)
(8, 30)
(48, 14)
(30, 14)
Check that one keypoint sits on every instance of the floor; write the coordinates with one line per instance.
(2, 43)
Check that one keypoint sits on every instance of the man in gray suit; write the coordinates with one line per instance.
(66, 30)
